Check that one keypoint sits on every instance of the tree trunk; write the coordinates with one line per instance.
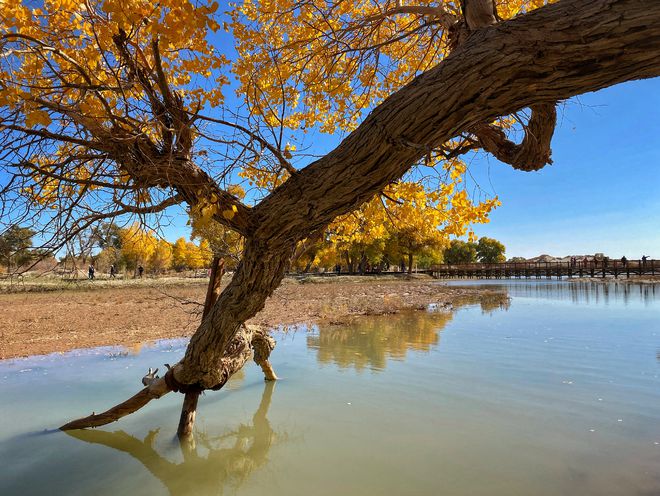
(189, 408)
(410, 262)
(215, 283)
(349, 263)
(258, 274)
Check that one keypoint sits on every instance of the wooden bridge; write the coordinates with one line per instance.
(540, 270)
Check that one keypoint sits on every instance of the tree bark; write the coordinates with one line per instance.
(215, 283)
(191, 398)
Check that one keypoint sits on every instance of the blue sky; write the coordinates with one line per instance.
(602, 194)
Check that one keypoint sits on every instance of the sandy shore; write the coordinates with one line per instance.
(58, 321)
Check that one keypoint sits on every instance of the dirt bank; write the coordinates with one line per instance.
(57, 321)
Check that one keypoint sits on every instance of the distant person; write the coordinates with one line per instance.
(573, 261)
(624, 260)
(338, 269)
(90, 272)
(113, 272)
(644, 257)
(140, 271)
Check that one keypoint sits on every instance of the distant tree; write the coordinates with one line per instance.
(15, 244)
(460, 252)
(108, 235)
(161, 258)
(430, 257)
(224, 243)
(193, 258)
(490, 250)
(179, 250)
(517, 259)
(137, 246)
(205, 252)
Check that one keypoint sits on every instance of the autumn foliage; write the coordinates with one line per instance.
(89, 91)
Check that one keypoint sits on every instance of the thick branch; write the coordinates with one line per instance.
(533, 153)
(155, 390)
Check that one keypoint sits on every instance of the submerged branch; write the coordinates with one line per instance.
(155, 390)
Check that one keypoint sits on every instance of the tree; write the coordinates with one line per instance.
(194, 257)
(137, 246)
(460, 252)
(490, 250)
(179, 254)
(110, 122)
(161, 258)
(15, 245)
(406, 220)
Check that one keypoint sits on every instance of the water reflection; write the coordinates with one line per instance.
(577, 292)
(491, 303)
(215, 463)
(370, 343)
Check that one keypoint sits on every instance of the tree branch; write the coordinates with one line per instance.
(533, 153)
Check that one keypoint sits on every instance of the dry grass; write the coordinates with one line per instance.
(129, 314)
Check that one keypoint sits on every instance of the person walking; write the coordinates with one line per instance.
(90, 272)
(113, 272)
(140, 271)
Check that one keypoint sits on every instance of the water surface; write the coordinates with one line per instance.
(556, 392)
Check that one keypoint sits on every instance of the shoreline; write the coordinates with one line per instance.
(43, 323)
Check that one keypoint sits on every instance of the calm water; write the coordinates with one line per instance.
(555, 393)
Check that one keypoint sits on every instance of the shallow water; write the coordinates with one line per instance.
(556, 393)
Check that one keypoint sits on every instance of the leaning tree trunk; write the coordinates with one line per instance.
(212, 357)
(189, 408)
(553, 53)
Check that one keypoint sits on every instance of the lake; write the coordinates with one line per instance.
(553, 392)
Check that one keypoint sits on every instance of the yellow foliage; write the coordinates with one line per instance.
(137, 245)
(298, 66)
(326, 62)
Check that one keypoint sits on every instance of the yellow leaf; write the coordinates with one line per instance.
(36, 117)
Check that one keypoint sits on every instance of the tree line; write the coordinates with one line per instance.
(127, 248)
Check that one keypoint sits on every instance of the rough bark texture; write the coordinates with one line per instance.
(533, 153)
(553, 53)
(263, 345)
(189, 407)
(215, 281)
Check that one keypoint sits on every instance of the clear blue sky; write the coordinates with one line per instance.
(602, 194)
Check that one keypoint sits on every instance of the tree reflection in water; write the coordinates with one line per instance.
(200, 475)
(367, 343)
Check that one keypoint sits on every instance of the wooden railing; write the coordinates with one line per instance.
(538, 270)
